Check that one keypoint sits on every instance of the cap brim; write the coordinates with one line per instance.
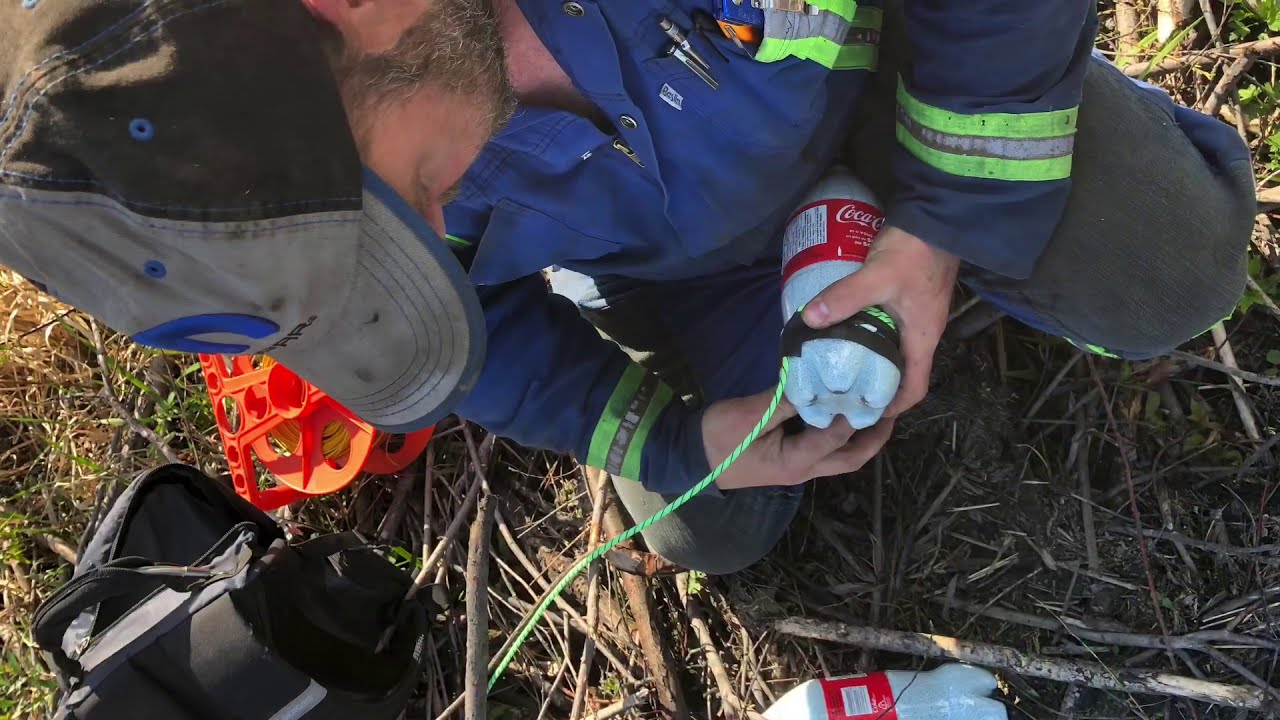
(408, 343)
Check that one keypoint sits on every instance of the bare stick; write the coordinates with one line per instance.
(1199, 544)
(601, 498)
(1267, 302)
(657, 658)
(478, 611)
(399, 503)
(1081, 631)
(1085, 673)
(707, 644)
(1255, 48)
(1127, 25)
(118, 408)
(1243, 672)
(623, 705)
(1086, 490)
(446, 540)
(1234, 372)
(1237, 388)
(1230, 78)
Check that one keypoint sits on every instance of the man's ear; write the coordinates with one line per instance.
(372, 26)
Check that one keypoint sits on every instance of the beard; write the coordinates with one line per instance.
(454, 46)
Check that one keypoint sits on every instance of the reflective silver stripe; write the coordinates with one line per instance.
(991, 147)
(303, 704)
(794, 26)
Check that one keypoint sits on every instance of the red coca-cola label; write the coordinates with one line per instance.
(829, 230)
(860, 697)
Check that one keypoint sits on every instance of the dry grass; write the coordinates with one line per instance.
(1004, 503)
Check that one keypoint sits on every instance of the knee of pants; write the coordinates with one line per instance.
(724, 543)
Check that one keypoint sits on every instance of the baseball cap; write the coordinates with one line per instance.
(183, 170)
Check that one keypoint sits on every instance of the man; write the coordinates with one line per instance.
(182, 170)
(1079, 202)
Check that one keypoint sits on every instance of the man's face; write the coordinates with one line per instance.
(424, 101)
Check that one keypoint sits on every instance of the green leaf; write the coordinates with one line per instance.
(695, 582)
(1273, 357)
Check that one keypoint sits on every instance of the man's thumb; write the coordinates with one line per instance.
(845, 297)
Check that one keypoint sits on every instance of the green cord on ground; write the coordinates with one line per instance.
(536, 616)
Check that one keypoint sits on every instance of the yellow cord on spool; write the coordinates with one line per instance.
(335, 440)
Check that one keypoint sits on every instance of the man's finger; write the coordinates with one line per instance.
(799, 453)
(857, 452)
(844, 298)
(917, 354)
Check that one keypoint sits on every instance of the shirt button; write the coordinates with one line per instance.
(628, 122)
(573, 9)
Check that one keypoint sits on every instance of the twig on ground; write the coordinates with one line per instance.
(1243, 672)
(1230, 77)
(399, 503)
(1053, 384)
(108, 394)
(1127, 27)
(1086, 490)
(1219, 548)
(1215, 32)
(623, 705)
(600, 499)
(877, 551)
(1084, 673)
(1080, 630)
(1255, 48)
(1123, 448)
(1228, 356)
(1267, 302)
(1232, 371)
(707, 644)
(657, 657)
(478, 611)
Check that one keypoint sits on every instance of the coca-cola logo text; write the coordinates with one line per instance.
(854, 213)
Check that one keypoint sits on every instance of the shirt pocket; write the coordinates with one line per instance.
(520, 241)
(762, 104)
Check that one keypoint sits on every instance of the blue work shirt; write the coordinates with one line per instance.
(690, 182)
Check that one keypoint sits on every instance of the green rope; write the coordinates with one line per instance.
(532, 620)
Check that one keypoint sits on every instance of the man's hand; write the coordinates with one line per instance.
(910, 280)
(778, 459)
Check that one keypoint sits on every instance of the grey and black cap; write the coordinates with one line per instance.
(184, 171)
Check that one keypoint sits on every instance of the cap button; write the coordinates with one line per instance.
(628, 122)
(573, 9)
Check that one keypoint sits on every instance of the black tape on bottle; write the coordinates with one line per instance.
(863, 328)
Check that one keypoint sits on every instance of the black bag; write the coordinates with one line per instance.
(188, 602)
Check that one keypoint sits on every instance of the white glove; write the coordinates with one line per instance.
(838, 377)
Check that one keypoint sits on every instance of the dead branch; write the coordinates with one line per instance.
(1228, 356)
(1255, 48)
(1081, 630)
(1235, 372)
(1219, 548)
(1123, 448)
(1127, 25)
(1230, 78)
(601, 498)
(399, 503)
(109, 394)
(1086, 489)
(1066, 671)
(478, 611)
(623, 705)
(1267, 302)
(657, 658)
(698, 621)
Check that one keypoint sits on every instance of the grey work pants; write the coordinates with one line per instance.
(1150, 252)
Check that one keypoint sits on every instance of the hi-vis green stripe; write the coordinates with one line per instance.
(617, 445)
(842, 36)
(1001, 146)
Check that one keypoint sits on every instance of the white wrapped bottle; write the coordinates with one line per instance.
(950, 692)
(852, 369)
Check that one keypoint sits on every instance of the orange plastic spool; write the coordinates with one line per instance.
(304, 438)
